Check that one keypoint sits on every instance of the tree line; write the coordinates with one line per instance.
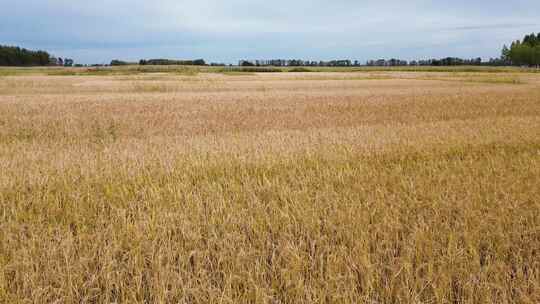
(170, 62)
(16, 56)
(297, 63)
(523, 53)
(448, 61)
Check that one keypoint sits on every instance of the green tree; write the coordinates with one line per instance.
(526, 52)
(505, 54)
(117, 62)
(16, 56)
(536, 55)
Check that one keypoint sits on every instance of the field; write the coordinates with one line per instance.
(220, 186)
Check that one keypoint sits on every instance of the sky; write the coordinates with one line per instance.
(226, 31)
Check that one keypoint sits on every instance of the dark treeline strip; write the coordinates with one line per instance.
(16, 56)
(116, 62)
(448, 61)
(171, 62)
(297, 63)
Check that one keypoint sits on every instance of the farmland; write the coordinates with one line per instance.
(236, 186)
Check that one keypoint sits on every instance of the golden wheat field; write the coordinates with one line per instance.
(374, 187)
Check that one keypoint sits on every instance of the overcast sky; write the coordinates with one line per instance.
(228, 30)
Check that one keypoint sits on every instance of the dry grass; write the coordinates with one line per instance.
(269, 188)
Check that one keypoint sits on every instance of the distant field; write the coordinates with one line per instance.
(184, 185)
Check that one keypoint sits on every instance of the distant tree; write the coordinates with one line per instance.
(116, 62)
(526, 52)
(68, 62)
(536, 55)
(505, 54)
(530, 40)
(198, 62)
